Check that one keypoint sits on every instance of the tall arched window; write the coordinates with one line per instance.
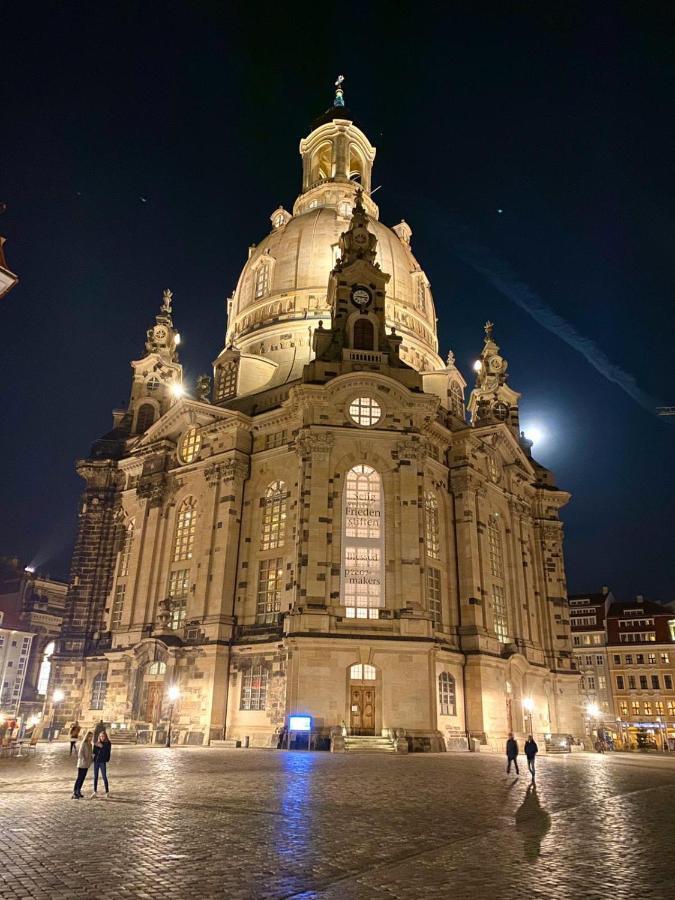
(262, 280)
(274, 516)
(447, 699)
(456, 400)
(185, 530)
(145, 417)
(45, 668)
(495, 547)
(363, 544)
(99, 688)
(356, 166)
(364, 334)
(125, 552)
(432, 537)
(322, 163)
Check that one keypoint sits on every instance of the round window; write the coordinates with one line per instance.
(190, 445)
(365, 411)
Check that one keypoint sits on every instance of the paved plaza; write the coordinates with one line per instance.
(195, 823)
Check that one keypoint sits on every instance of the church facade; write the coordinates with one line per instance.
(320, 531)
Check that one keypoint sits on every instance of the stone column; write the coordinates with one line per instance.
(315, 518)
(410, 456)
(464, 485)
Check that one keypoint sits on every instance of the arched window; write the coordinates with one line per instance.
(185, 530)
(45, 668)
(355, 165)
(145, 417)
(274, 516)
(432, 537)
(363, 544)
(125, 552)
(262, 280)
(157, 668)
(500, 613)
(364, 334)
(495, 547)
(322, 163)
(359, 672)
(447, 700)
(99, 688)
(456, 400)
(254, 688)
(190, 445)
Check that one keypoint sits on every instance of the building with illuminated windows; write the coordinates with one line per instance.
(319, 531)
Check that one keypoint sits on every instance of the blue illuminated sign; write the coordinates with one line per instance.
(299, 723)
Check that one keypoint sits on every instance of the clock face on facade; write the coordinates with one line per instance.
(160, 334)
(496, 364)
(500, 411)
(361, 297)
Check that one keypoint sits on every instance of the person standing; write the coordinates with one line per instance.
(74, 735)
(101, 759)
(84, 756)
(531, 751)
(512, 754)
(98, 728)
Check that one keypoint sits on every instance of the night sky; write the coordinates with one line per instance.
(528, 145)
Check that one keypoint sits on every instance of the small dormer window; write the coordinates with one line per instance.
(278, 220)
(152, 383)
(313, 204)
(262, 280)
(345, 209)
(280, 217)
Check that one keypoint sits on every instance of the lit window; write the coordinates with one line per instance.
(446, 694)
(671, 707)
(45, 668)
(434, 595)
(190, 445)
(99, 688)
(254, 688)
(185, 531)
(499, 613)
(118, 606)
(648, 707)
(495, 548)
(431, 527)
(421, 293)
(270, 575)
(665, 658)
(602, 682)
(227, 381)
(345, 208)
(274, 516)
(157, 668)
(262, 280)
(635, 706)
(125, 553)
(179, 585)
(590, 682)
(624, 708)
(456, 400)
(363, 544)
(365, 411)
(658, 707)
(360, 672)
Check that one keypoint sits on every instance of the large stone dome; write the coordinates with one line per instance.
(281, 293)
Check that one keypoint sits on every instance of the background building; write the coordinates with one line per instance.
(320, 531)
(588, 619)
(35, 604)
(15, 645)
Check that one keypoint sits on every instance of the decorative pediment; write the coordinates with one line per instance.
(183, 415)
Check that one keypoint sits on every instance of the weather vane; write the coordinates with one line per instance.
(339, 93)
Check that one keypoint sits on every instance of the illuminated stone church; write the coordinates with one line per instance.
(326, 527)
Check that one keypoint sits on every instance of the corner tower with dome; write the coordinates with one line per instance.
(320, 532)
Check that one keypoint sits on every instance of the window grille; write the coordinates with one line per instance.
(99, 688)
(185, 531)
(254, 685)
(431, 526)
(274, 516)
(446, 694)
(270, 575)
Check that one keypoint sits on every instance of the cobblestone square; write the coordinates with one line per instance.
(193, 823)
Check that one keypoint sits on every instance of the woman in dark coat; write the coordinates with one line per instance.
(101, 759)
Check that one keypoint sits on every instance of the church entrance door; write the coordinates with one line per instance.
(362, 710)
(153, 701)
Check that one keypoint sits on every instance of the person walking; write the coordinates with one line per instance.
(74, 735)
(531, 751)
(101, 759)
(512, 754)
(84, 756)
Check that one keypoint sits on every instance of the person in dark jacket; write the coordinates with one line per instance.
(512, 754)
(101, 759)
(74, 735)
(531, 751)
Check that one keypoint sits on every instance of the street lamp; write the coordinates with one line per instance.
(57, 697)
(174, 694)
(528, 706)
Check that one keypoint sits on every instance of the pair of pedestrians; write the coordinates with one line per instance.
(512, 751)
(99, 753)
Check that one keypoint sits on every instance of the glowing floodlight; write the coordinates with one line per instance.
(177, 390)
(528, 704)
(174, 693)
(593, 710)
(299, 723)
(477, 366)
(58, 695)
(176, 338)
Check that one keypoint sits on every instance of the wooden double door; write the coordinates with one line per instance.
(362, 710)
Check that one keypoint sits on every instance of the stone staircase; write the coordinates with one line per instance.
(355, 743)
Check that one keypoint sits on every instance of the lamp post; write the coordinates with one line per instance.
(57, 697)
(528, 706)
(174, 694)
(620, 727)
